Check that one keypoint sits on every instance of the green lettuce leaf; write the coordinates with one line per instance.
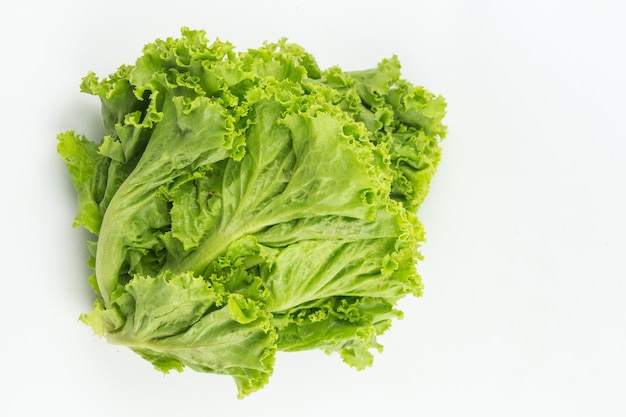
(249, 203)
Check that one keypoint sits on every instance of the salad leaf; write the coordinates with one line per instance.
(246, 203)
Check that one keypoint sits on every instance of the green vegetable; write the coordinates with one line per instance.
(248, 203)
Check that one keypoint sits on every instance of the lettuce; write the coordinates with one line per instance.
(249, 203)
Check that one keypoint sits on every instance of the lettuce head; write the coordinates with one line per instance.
(245, 203)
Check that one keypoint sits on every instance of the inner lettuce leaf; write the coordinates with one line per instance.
(245, 203)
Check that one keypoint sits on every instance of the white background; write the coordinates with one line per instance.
(524, 312)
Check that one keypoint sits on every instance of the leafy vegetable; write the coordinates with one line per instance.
(248, 203)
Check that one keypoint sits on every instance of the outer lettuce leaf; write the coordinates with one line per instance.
(348, 325)
(247, 203)
(181, 320)
(190, 135)
(405, 119)
(82, 160)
